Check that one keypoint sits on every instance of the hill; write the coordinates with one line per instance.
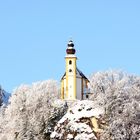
(113, 111)
(4, 96)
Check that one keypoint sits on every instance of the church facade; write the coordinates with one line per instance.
(74, 84)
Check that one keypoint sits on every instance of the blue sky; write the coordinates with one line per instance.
(34, 36)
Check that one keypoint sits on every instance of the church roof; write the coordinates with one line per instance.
(80, 72)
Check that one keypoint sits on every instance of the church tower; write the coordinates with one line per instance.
(73, 82)
(70, 71)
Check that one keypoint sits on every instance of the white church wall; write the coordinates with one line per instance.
(70, 87)
(79, 88)
(64, 88)
(85, 90)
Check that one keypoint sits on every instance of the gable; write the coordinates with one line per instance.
(78, 73)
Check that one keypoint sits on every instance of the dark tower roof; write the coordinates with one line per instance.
(70, 43)
(70, 49)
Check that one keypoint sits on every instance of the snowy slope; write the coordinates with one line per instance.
(77, 123)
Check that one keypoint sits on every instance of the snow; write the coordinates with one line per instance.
(70, 55)
(70, 136)
(84, 136)
(80, 127)
(53, 134)
(71, 122)
(82, 109)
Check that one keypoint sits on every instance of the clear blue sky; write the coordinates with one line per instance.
(34, 36)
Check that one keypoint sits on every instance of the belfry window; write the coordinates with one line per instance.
(70, 62)
(70, 70)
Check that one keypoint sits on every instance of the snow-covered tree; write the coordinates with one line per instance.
(30, 108)
(34, 111)
(119, 93)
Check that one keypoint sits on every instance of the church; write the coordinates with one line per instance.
(74, 84)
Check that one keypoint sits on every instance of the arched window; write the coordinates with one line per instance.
(70, 62)
(70, 70)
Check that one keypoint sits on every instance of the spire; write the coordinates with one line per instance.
(70, 49)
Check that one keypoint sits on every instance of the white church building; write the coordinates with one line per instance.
(74, 84)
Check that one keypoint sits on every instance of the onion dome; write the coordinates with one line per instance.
(70, 49)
